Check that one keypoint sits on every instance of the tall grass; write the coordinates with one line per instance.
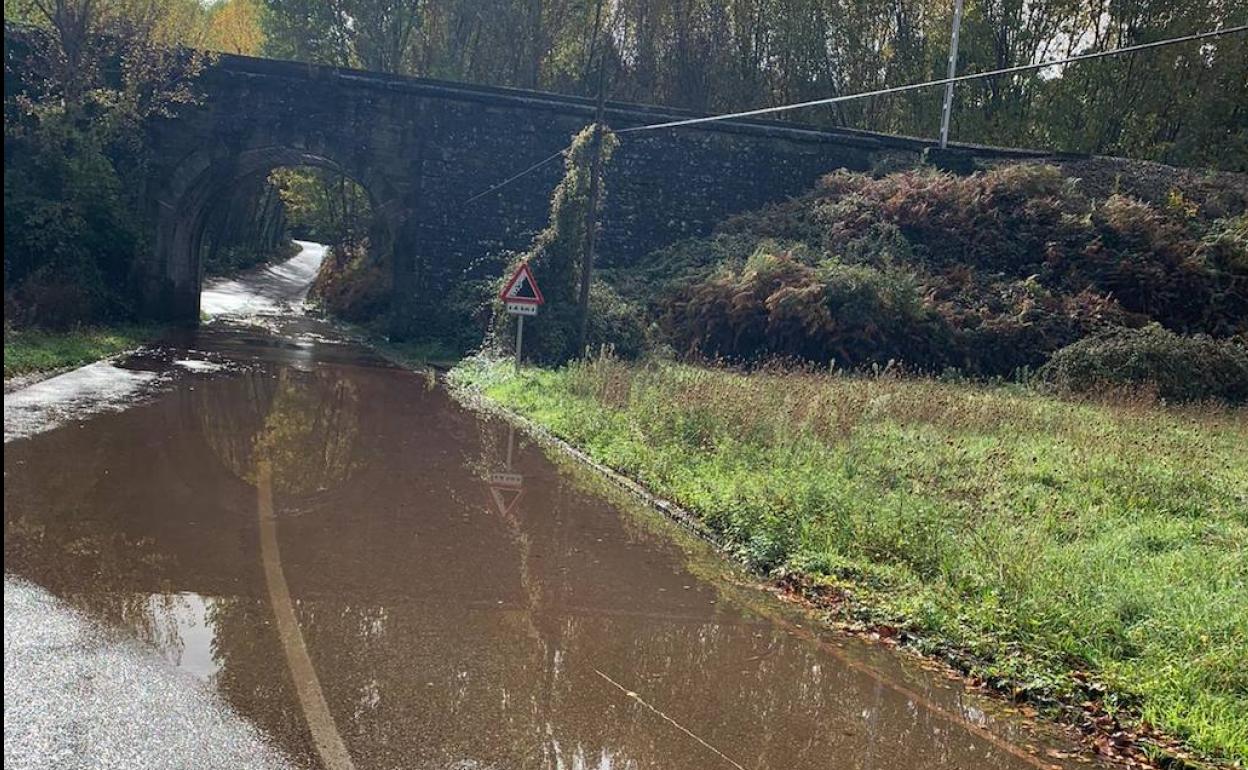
(1052, 539)
(28, 351)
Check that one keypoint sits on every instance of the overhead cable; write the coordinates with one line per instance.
(931, 83)
(514, 177)
(880, 92)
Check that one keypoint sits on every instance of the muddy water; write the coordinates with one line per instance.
(378, 578)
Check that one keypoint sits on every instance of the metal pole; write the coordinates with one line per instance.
(511, 442)
(953, 71)
(519, 340)
(595, 184)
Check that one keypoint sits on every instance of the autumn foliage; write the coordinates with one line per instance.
(986, 273)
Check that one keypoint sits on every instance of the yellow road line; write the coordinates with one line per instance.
(325, 735)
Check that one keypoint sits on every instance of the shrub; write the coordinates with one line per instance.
(776, 305)
(989, 273)
(691, 260)
(1180, 368)
(353, 284)
(76, 158)
(1226, 246)
(71, 228)
(615, 323)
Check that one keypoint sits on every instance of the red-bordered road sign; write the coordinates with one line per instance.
(521, 288)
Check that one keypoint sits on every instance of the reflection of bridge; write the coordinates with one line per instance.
(422, 148)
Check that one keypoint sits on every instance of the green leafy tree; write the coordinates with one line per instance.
(234, 27)
(1183, 104)
(92, 72)
(323, 205)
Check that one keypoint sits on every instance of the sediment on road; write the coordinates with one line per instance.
(1087, 559)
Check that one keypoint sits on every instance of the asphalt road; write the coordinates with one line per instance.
(78, 696)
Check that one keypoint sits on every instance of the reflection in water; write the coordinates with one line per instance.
(186, 634)
(362, 558)
(308, 440)
(303, 424)
(304, 446)
(325, 735)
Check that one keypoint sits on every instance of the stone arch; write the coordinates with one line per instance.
(425, 148)
(202, 180)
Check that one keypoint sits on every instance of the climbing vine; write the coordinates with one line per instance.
(555, 256)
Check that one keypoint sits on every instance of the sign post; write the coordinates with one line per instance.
(522, 298)
(519, 340)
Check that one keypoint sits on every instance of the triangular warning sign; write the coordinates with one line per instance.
(521, 288)
(505, 499)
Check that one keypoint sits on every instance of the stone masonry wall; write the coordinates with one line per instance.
(423, 148)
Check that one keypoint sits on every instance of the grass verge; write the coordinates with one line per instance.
(30, 351)
(1068, 552)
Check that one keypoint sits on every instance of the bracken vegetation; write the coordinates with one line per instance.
(987, 275)
(1079, 551)
(353, 284)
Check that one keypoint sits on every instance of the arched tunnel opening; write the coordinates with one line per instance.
(273, 208)
(391, 264)
(312, 224)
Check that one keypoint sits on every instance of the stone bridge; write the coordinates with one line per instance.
(422, 148)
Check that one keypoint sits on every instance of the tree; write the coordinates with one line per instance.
(557, 252)
(372, 34)
(324, 205)
(1181, 104)
(234, 27)
(91, 73)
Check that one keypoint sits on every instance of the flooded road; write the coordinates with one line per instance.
(373, 577)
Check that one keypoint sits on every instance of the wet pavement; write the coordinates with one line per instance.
(79, 696)
(272, 289)
(329, 550)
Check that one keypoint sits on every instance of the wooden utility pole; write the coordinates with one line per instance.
(591, 225)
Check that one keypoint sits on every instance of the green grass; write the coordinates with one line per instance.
(28, 351)
(1052, 540)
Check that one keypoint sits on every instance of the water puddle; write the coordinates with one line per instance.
(77, 698)
(377, 578)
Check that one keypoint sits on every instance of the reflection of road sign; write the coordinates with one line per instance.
(520, 293)
(506, 489)
(506, 480)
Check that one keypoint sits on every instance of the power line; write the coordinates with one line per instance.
(514, 177)
(930, 83)
(878, 92)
